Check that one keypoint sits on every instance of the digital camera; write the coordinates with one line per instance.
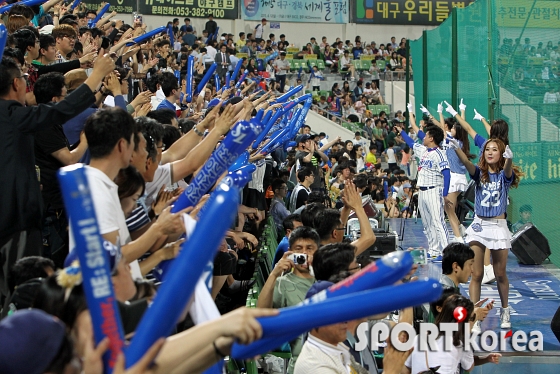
(299, 258)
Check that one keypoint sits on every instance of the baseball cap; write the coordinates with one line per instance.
(263, 20)
(47, 29)
(29, 341)
(302, 138)
(406, 185)
(74, 79)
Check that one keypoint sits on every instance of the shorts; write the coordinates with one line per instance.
(254, 199)
(458, 182)
(225, 263)
(490, 232)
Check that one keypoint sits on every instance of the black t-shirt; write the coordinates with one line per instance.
(46, 142)
(314, 165)
(302, 197)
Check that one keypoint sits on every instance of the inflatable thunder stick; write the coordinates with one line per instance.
(235, 143)
(240, 81)
(189, 78)
(217, 82)
(385, 271)
(100, 14)
(146, 36)
(3, 38)
(206, 78)
(94, 262)
(174, 294)
(228, 75)
(241, 161)
(74, 4)
(236, 70)
(289, 94)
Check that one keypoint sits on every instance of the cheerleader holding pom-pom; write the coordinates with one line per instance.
(494, 175)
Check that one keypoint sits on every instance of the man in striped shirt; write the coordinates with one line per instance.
(433, 181)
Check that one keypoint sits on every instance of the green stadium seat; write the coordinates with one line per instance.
(357, 65)
(381, 65)
(311, 63)
(321, 65)
(366, 64)
(384, 108)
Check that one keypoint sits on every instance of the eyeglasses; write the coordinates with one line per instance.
(24, 76)
(357, 267)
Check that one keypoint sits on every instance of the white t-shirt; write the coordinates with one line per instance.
(161, 176)
(110, 217)
(391, 156)
(447, 361)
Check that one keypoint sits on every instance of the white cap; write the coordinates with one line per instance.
(46, 29)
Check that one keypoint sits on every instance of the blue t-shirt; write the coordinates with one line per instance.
(491, 198)
(166, 104)
(479, 142)
(455, 164)
(280, 250)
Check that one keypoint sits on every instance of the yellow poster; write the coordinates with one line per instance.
(522, 13)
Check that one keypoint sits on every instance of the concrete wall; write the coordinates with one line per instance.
(319, 124)
(299, 33)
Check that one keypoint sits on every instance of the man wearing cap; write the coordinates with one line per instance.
(525, 213)
(259, 29)
(281, 67)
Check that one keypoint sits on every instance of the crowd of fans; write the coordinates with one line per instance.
(74, 92)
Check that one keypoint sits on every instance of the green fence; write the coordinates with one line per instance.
(502, 58)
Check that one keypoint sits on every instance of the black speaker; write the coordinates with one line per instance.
(385, 242)
(465, 202)
(530, 246)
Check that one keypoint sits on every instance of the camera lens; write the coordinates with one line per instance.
(300, 260)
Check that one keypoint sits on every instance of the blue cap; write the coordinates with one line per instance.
(318, 287)
(29, 341)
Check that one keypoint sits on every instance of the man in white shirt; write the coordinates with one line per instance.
(110, 134)
(211, 50)
(259, 29)
(282, 67)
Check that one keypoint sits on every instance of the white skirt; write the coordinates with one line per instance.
(492, 233)
(458, 182)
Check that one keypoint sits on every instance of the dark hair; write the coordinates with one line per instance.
(9, 70)
(48, 86)
(63, 30)
(52, 298)
(105, 128)
(500, 130)
(309, 213)
(163, 116)
(316, 197)
(436, 133)
(168, 83)
(332, 259)
(361, 181)
(22, 10)
(28, 268)
(46, 41)
(170, 135)
(354, 152)
(304, 172)
(16, 54)
(447, 315)
(129, 181)
(24, 38)
(64, 357)
(288, 222)
(455, 252)
(463, 136)
(326, 221)
(447, 291)
(303, 232)
(277, 184)
(186, 125)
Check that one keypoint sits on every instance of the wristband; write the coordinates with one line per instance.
(197, 131)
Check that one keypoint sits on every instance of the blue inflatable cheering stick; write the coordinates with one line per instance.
(29, 3)
(206, 78)
(189, 78)
(3, 38)
(291, 92)
(146, 36)
(236, 70)
(99, 15)
(174, 294)
(94, 263)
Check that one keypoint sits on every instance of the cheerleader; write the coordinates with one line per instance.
(494, 175)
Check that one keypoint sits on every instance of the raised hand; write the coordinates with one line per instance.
(424, 110)
(449, 109)
(453, 143)
(462, 107)
(409, 107)
(508, 152)
(478, 116)
(440, 108)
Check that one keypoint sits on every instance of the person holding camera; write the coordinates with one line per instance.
(281, 291)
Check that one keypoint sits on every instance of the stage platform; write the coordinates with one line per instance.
(534, 295)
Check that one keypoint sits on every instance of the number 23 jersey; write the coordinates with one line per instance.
(491, 197)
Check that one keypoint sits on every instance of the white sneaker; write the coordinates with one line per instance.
(504, 318)
(488, 276)
(476, 328)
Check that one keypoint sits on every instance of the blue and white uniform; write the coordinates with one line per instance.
(491, 201)
(458, 181)
(433, 181)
